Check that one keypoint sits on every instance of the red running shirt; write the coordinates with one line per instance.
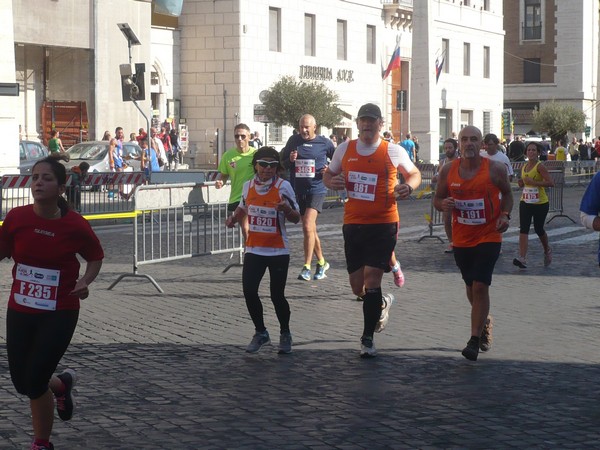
(44, 251)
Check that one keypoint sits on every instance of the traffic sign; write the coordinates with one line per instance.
(260, 113)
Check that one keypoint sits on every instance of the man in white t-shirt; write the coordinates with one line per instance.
(491, 142)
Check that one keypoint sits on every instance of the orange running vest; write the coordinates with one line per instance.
(370, 182)
(477, 206)
(264, 229)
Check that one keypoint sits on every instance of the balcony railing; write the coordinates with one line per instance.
(408, 3)
(532, 33)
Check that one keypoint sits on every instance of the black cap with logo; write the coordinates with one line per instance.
(369, 110)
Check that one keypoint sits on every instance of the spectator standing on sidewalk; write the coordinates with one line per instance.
(44, 239)
(368, 169)
(268, 201)
(470, 188)
(79, 174)
(236, 163)
(590, 207)
(451, 151)
(115, 158)
(409, 145)
(306, 153)
(534, 204)
(491, 142)
(55, 146)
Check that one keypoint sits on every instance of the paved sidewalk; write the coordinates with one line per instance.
(169, 370)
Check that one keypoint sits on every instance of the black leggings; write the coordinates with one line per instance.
(252, 274)
(35, 344)
(527, 211)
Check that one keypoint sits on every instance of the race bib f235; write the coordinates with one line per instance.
(37, 288)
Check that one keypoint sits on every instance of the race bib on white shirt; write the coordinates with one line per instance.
(361, 185)
(470, 212)
(262, 219)
(305, 168)
(37, 287)
(531, 195)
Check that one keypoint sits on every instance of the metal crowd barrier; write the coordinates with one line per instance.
(107, 194)
(174, 221)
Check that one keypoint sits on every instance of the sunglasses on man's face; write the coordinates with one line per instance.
(265, 164)
(240, 136)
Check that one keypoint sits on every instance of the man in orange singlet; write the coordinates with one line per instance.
(470, 188)
(368, 169)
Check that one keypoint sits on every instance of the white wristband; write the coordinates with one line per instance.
(587, 220)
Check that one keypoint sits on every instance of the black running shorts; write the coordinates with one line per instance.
(369, 245)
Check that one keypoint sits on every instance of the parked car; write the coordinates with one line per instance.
(95, 153)
(29, 153)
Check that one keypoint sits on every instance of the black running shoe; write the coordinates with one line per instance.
(471, 351)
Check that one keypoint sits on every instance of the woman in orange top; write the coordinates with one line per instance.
(268, 201)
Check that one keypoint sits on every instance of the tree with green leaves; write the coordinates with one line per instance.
(288, 100)
(558, 119)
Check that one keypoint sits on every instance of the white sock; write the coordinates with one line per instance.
(396, 268)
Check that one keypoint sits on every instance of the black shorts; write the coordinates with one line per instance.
(369, 245)
(35, 344)
(314, 201)
(477, 263)
(231, 207)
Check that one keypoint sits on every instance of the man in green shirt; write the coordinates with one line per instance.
(236, 163)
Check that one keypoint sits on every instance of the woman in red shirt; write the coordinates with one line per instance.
(43, 306)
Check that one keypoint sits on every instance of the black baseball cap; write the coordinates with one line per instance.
(369, 110)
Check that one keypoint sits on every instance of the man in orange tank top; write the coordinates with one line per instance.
(477, 192)
(368, 169)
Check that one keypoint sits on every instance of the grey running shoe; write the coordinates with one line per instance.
(285, 343)
(258, 340)
(486, 338)
(521, 263)
(367, 348)
(305, 274)
(65, 403)
(388, 299)
(471, 351)
(320, 272)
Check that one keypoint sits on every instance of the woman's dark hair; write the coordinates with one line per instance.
(266, 152)
(537, 146)
(454, 142)
(60, 173)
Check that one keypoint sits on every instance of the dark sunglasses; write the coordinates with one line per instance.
(265, 164)
(240, 136)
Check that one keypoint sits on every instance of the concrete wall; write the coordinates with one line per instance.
(454, 90)
(71, 50)
(9, 126)
(222, 40)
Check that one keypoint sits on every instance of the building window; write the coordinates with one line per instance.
(487, 122)
(466, 118)
(342, 40)
(531, 70)
(275, 29)
(467, 2)
(466, 59)
(445, 55)
(486, 62)
(371, 52)
(275, 134)
(532, 25)
(486, 5)
(309, 35)
(445, 125)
